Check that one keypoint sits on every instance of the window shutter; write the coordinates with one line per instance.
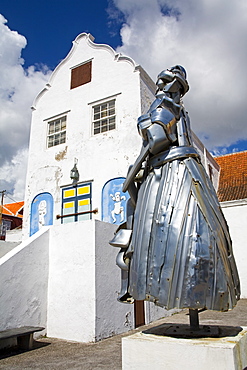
(81, 75)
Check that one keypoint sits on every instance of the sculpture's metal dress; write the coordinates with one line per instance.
(175, 247)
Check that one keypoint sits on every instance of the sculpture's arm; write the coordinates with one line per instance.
(136, 166)
(158, 131)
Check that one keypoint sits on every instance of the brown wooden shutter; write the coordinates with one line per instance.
(81, 75)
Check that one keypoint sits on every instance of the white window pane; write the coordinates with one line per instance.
(96, 131)
(50, 141)
(57, 126)
(66, 220)
(104, 114)
(51, 128)
(96, 116)
(63, 137)
(56, 132)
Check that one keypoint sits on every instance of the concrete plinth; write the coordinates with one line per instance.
(152, 351)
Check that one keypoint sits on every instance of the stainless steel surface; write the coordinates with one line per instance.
(121, 239)
(180, 253)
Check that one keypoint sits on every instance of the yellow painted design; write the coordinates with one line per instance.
(69, 193)
(83, 190)
(69, 205)
(84, 202)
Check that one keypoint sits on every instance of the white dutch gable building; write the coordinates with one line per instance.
(86, 113)
(85, 116)
(64, 269)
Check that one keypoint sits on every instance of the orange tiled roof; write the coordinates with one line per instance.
(12, 209)
(233, 176)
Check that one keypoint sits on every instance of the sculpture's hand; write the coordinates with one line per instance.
(136, 166)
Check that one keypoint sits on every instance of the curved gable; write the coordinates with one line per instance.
(89, 39)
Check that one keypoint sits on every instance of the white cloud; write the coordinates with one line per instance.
(18, 88)
(15, 175)
(208, 38)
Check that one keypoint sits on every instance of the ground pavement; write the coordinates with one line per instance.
(50, 353)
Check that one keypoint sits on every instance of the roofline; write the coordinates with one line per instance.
(234, 203)
(147, 79)
(90, 41)
(11, 214)
(226, 155)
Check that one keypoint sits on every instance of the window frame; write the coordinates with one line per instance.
(58, 136)
(55, 118)
(76, 198)
(104, 116)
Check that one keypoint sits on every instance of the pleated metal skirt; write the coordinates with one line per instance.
(182, 252)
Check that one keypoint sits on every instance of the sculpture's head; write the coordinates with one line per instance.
(173, 80)
(179, 69)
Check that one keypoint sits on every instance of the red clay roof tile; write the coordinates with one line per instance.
(233, 176)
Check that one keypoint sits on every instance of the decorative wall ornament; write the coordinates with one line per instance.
(114, 201)
(41, 212)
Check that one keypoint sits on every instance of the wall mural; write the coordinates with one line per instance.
(41, 212)
(114, 201)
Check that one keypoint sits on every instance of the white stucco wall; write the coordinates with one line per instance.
(71, 287)
(236, 215)
(23, 283)
(14, 235)
(65, 278)
(83, 284)
(112, 317)
(100, 157)
(147, 90)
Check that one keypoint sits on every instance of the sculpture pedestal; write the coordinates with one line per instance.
(147, 350)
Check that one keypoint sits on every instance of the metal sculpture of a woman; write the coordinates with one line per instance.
(175, 246)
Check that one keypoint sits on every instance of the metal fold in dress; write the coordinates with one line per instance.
(179, 253)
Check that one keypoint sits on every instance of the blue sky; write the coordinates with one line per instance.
(50, 26)
(208, 38)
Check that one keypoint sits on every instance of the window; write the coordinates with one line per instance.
(5, 225)
(76, 200)
(81, 75)
(56, 132)
(104, 117)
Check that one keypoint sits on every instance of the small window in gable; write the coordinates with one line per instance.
(81, 75)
